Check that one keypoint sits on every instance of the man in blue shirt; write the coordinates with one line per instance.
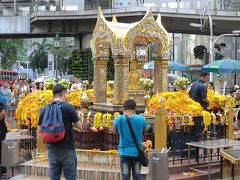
(198, 91)
(129, 158)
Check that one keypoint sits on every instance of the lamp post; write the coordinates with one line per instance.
(56, 47)
(27, 62)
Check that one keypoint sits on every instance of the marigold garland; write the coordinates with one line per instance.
(176, 103)
(106, 120)
(217, 101)
(97, 120)
(29, 108)
(214, 119)
(206, 119)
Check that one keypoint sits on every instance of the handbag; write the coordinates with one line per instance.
(142, 155)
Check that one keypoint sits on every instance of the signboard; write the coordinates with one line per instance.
(50, 65)
(125, 3)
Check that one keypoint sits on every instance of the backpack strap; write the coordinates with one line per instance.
(48, 109)
(59, 103)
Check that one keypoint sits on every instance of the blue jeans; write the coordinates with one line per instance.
(129, 164)
(62, 159)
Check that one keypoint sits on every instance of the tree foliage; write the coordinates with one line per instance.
(110, 67)
(11, 50)
(199, 52)
(39, 57)
(90, 67)
(76, 63)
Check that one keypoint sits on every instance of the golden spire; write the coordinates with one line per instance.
(114, 19)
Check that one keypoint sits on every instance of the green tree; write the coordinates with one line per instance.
(11, 50)
(110, 67)
(90, 67)
(39, 57)
(76, 63)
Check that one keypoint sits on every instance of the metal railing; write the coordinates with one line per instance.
(23, 9)
(20, 9)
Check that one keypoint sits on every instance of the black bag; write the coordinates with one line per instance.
(142, 155)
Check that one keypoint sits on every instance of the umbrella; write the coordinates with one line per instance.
(223, 66)
(172, 66)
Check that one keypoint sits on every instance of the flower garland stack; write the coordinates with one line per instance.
(102, 121)
(217, 101)
(175, 103)
(29, 107)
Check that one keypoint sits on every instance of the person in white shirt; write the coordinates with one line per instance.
(77, 85)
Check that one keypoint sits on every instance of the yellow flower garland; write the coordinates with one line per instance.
(216, 100)
(206, 119)
(106, 120)
(97, 120)
(175, 103)
(213, 118)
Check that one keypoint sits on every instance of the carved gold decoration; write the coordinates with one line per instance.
(151, 30)
(160, 75)
(100, 79)
(121, 80)
(133, 76)
(140, 69)
(164, 69)
(128, 41)
(157, 75)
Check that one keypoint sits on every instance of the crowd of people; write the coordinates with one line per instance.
(13, 91)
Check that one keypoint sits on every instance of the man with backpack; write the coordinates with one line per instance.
(56, 121)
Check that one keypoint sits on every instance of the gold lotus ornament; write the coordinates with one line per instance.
(85, 102)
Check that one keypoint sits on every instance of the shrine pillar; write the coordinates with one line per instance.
(160, 129)
(121, 73)
(160, 74)
(100, 79)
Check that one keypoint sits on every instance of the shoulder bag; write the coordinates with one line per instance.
(142, 155)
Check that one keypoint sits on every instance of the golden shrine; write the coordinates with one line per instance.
(129, 43)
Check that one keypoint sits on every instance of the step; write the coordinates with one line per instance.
(215, 174)
(31, 177)
(40, 168)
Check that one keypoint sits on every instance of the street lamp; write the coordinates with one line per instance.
(27, 62)
(212, 44)
(234, 33)
(56, 47)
